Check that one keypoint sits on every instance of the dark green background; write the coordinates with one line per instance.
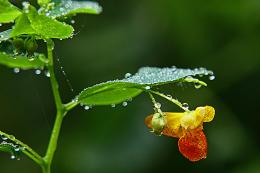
(221, 35)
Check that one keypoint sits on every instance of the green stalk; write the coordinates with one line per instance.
(59, 108)
(171, 100)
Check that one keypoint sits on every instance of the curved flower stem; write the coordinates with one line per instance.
(170, 99)
(59, 108)
(26, 149)
(157, 106)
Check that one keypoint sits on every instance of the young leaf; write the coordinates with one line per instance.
(47, 27)
(10, 148)
(114, 92)
(22, 26)
(8, 12)
(68, 7)
(23, 62)
(108, 93)
(43, 2)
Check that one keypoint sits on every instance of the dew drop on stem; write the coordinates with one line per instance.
(157, 105)
(185, 105)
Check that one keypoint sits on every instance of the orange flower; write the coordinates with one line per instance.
(187, 126)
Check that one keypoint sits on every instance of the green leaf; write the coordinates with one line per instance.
(47, 27)
(23, 62)
(8, 12)
(43, 2)
(108, 93)
(10, 148)
(22, 26)
(5, 35)
(117, 91)
(68, 7)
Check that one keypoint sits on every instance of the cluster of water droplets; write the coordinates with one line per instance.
(154, 75)
(66, 6)
(26, 6)
(46, 73)
(14, 149)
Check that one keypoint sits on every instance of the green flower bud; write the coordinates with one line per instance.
(18, 43)
(158, 123)
(31, 45)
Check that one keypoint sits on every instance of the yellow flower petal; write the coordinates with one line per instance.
(190, 120)
(173, 124)
(208, 112)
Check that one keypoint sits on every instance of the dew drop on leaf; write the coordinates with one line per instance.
(197, 85)
(147, 87)
(37, 71)
(127, 75)
(47, 73)
(16, 70)
(124, 103)
(212, 77)
(87, 107)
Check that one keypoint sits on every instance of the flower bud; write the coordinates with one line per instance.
(158, 123)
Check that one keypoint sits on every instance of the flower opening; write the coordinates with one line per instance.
(188, 127)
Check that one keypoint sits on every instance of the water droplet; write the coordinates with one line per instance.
(0, 24)
(113, 105)
(87, 107)
(157, 105)
(197, 85)
(212, 77)
(185, 105)
(124, 103)
(4, 138)
(17, 149)
(16, 70)
(72, 21)
(47, 73)
(147, 87)
(13, 157)
(37, 71)
(169, 96)
(127, 75)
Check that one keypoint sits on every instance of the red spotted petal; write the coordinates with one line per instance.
(193, 145)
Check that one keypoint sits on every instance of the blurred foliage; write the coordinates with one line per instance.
(223, 36)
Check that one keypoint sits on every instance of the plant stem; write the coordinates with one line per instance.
(170, 99)
(59, 108)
